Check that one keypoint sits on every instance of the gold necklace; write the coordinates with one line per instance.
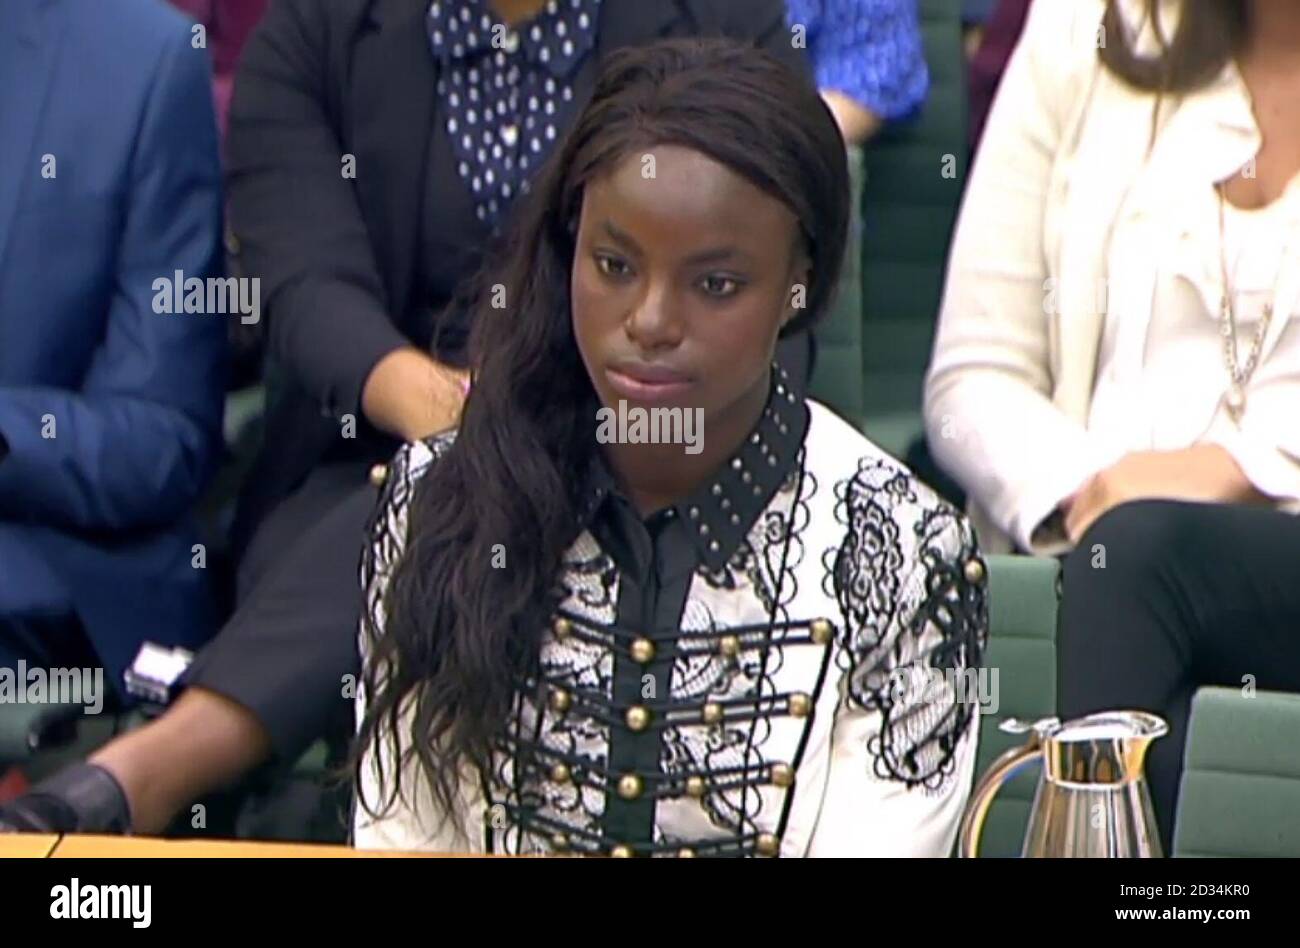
(1239, 375)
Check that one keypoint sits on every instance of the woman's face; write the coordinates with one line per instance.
(682, 278)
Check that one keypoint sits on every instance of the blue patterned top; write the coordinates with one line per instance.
(870, 50)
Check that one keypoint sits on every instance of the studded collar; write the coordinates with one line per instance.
(719, 514)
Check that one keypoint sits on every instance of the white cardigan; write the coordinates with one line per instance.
(1070, 155)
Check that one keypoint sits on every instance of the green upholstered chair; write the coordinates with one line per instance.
(1240, 791)
(914, 177)
(874, 346)
(837, 377)
(1022, 650)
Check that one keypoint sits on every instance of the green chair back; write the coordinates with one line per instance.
(914, 175)
(1240, 793)
(837, 376)
(1022, 651)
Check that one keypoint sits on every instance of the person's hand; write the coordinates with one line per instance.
(1203, 472)
(411, 396)
(857, 124)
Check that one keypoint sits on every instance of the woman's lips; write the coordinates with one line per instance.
(648, 385)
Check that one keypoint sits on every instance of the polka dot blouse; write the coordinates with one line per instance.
(506, 91)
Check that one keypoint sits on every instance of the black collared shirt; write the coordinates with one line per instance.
(657, 558)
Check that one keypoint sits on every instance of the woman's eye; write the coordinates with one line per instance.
(612, 266)
(720, 286)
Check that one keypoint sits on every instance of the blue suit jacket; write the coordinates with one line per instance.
(110, 414)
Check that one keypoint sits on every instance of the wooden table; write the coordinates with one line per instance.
(21, 845)
(26, 846)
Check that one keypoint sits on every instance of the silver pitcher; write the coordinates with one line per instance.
(1092, 798)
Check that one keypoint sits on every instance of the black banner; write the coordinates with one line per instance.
(333, 897)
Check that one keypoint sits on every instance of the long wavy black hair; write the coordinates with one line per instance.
(459, 636)
(1209, 33)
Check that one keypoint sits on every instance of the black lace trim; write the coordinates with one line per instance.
(908, 631)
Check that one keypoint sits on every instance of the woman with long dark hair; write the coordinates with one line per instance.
(747, 638)
(377, 147)
(1117, 371)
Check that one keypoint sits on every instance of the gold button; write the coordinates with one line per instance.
(821, 630)
(378, 474)
(232, 243)
(621, 852)
(729, 646)
(637, 718)
(974, 571)
(782, 775)
(712, 713)
(685, 853)
(560, 773)
(800, 704)
(630, 786)
(562, 628)
(560, 700)
(695, 787)
(643, 651)
(768, 845)
(560, 841)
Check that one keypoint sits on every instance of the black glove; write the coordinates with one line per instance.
(83, 798)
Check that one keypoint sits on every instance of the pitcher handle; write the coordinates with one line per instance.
(972, 821)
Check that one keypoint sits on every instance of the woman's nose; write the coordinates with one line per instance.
(655, 322)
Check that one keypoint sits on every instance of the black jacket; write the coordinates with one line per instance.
(321, 80)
